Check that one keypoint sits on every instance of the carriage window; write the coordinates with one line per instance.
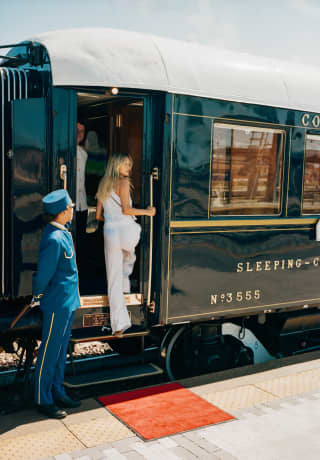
(247, 165)
(311, 185)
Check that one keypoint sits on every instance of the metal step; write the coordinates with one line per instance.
(113, 375)
(103, 301)
(97, 334)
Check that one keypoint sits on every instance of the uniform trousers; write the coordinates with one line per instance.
(119, 246)
(51, 360)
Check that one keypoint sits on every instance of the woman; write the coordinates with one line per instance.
(121, 234)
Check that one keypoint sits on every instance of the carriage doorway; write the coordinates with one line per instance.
(111, 125)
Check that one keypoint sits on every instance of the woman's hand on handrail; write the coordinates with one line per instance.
(151, 211)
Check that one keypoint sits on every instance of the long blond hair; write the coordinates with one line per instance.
(111, 175)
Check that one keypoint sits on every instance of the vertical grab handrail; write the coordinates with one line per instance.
(150, 243)
(2, 180)
(63, 175)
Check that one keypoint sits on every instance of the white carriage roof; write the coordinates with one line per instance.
(113, 57)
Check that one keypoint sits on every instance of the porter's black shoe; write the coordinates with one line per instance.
(67, 402)
(51, 411)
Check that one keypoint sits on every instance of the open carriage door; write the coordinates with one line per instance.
(152, 196)
(29, 184)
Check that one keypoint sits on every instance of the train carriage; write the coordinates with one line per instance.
(226, 146)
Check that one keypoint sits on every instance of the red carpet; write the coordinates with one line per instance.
(163, 410)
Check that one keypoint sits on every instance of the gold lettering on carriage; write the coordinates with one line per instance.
(248, 295)
(276, 265)
(306, 119)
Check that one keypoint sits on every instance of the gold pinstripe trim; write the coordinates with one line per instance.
(44, 354)
(240, 222)
(245, 121)
(244, 231)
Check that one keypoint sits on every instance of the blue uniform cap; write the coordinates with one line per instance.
(56, 202)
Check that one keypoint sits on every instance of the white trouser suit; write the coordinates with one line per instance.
(121, 236)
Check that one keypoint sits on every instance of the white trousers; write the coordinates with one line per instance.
(119, 250)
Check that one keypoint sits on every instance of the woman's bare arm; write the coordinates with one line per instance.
(99, 211)
(124, 194)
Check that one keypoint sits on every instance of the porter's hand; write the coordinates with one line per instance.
(34, 303)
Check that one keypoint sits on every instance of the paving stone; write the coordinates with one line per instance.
(113, 454)
(84, 457)
(154, 452)
(63, 457)
(154, 443)
(197, 438)
(167, 443)
(94, 453)
(124, 445)
(257, 410)
(192, 435)
(132, 455)
(223, 455)
(206, 445)
(191, 446)
(78, 453)
(177, 438)
(181, 452)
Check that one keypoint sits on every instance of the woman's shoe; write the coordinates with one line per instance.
(118, 334)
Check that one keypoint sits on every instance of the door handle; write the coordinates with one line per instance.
(150, 243)
(63, 175)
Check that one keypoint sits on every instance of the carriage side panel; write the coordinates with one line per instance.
(29, 185)
(227, 259)
(230, 272)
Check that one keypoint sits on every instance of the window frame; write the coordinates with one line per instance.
(253, 128)
(306, 137)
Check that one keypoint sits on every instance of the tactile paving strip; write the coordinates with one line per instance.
(36, 446)
(237, 398)
(100, 431)
(291, 385)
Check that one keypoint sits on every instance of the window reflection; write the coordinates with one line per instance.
(247, 165)
(311, 186)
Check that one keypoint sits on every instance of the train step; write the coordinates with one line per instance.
(112, 375)
(104, 334)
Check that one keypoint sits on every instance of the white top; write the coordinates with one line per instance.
(112, 212)
(81, 196)
(124, 59)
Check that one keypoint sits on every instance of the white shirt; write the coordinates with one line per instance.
(81, 197)
(56, 224)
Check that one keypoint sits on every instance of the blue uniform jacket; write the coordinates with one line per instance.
(56, 280)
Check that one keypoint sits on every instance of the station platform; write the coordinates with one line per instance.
(276, 407)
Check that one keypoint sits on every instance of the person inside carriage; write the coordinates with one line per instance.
(81, 196)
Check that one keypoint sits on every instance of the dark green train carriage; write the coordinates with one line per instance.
(226, 145)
